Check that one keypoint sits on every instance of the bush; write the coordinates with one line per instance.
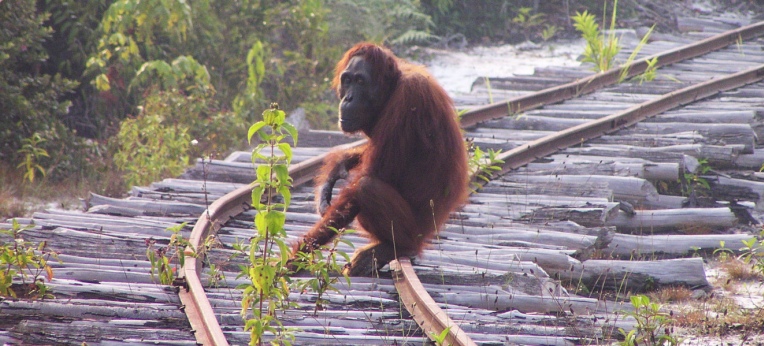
(157, 143)
(31, 101)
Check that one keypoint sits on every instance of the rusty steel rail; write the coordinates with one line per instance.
(423, 309)
(427, 314)
(600, 80)
(547, 145)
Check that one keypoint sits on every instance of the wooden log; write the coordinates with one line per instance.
(730, 189)
(686, 163)
(636, 191)
(539, 235)
(93, 309)
(353, 337)
(717, 156)
(706, 116)
(524, 303)
(628, 246)
(44, 333)
(221, 171)
(638, 276)
(650, 141)
(593, 216)
(530, 122)
(104, 227)
(506, 263)
(457, 275)
(686, 219)
(750, 161)
(549, 260)
(714, 134)
(592, 189)
(648, 171)
(194, 186)
(147, 207)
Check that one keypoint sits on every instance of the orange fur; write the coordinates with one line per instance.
(416, 156)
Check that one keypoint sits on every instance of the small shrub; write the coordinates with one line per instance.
(19, 258)
(322, 267)
(599, 50)
(31, 102)
(482, 164)
(148, 149)
(162, 258)
(32, 153)
(267, 271)
(654, 327)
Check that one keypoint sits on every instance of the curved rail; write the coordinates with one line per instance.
(422, 307)
(427, 314)
(196, 305)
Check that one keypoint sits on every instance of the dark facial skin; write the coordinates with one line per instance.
(358, 97)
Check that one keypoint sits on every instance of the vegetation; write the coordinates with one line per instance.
(268, 271)
(483, 165)
(270, 268)
(22, 260)
(165, 260)
(653, 326)
(81, 76)
(599, 50)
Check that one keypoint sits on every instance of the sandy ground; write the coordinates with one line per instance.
(457, 69)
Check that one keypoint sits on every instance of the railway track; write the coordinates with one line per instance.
(582, 188)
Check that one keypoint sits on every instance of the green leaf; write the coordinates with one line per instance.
(260, 225)
(102, 82)
(257, 194)
(287, 150)
(282, 174)
(253, 129)
(285, 252)
(275, 220)
(287, 194)
(291, 130)
(263, 173)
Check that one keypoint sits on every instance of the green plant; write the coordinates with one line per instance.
(268, 288)
(482, 165)
(22, 259)
(527, 21)
(653, 327)
(148, 149)
(752, 253)
(162, 258)
(599, 50)
(650, 72)
(723, 252)
(32, 152)
(32, 101)
(322, 267)
(440, 339)
(549, 32)
(404, 22)
(693, 183)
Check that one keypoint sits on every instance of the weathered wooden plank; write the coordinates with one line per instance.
(687, 219)
(648, 171)
(76, 332)
(628, 246)
(639, 276)
(147, 207)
